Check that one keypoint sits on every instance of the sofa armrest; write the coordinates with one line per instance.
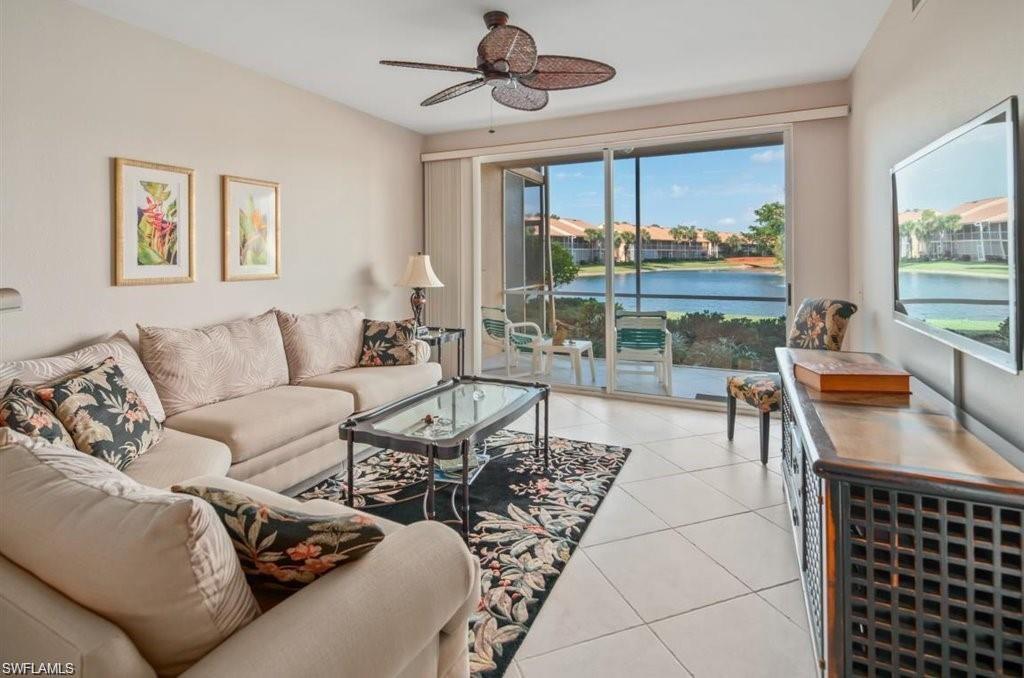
(368, 618)
(420, 351)
(38, 624)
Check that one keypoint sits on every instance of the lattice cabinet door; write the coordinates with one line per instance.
(932, 584)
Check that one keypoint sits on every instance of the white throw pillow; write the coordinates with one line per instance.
(159, 565)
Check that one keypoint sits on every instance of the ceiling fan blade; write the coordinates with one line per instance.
(520, 97)
(453, 91)
(508, 49)
(562, 72)
(430, 67)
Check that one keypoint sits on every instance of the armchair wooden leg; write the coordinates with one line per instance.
(731, 416)
(766, 424)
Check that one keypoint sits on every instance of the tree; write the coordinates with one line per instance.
(769, 228)
(617, 242)
(734, 243)
(714, 240)
(593, 236)
(628, 238)
(564, 268)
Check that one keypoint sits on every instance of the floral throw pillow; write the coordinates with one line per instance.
(104, 417)
(21, 410)
(285, 549)
(388, 342)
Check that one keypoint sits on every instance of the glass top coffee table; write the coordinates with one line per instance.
(447, 421)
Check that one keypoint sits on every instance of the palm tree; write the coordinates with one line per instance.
(594, 236)
(714, 240)
(628, 238)
(734, 243)
(617, 242)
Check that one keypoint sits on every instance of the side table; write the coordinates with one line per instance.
(439, 336)
(574, 348)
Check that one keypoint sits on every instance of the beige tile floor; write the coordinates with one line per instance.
(688, 569)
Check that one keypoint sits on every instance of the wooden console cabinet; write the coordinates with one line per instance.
(908, 521)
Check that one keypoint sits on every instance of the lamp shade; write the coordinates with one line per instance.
(10, 299)
(419, 273)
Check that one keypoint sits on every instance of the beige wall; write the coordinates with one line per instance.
(80, 88)
(918, 79)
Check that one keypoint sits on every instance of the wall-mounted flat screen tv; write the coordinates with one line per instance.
(957, 238)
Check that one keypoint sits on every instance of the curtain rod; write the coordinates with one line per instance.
(646, 134)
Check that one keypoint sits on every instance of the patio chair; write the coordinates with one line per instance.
(513, 338)
(819, 324)
(643, 337)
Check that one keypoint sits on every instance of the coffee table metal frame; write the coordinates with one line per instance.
(360, 429)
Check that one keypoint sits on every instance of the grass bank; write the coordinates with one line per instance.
(962, 325)
(697, 265)
(981, 269)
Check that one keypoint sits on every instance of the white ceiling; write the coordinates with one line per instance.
(663, 50)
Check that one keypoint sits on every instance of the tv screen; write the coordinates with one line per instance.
(957, 238)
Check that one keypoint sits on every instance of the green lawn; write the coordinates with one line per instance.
(629, 266)
(983, 269)
(961, 325)
(675, 315)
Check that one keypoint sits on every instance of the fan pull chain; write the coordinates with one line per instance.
(491, 130)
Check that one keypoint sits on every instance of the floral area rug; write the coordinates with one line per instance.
(525, 523)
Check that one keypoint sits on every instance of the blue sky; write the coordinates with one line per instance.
(716, 189)
(970, 167)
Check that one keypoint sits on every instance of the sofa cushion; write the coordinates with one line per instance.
(281, 548)
(158, 565)
(375, 386)
(22, 410)
(318, 343)
(262, 421)
(46, 370)
(192, 368)
(106, 418)
(388, 342)
(180, 456)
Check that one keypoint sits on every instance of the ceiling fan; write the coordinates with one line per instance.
(507, 60)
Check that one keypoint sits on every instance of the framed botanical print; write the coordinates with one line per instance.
(154, 223)
(252, 229)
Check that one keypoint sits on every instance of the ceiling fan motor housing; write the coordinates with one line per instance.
(495, 18)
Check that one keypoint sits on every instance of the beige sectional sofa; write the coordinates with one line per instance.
(401, 610)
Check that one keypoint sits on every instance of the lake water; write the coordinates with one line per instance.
(753, 283)
(918, 285)
(724, 282)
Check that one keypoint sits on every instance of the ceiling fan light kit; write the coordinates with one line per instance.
(507, 60)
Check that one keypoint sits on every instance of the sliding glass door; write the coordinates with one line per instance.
(705, 268)
(685, 283)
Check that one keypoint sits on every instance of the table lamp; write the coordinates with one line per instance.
(419, 275)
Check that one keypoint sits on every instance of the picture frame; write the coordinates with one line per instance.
(154, 223)
(251, 228)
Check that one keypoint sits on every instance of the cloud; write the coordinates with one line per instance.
(726, 222)
(679, 190)
(568, 175)
(768, 156)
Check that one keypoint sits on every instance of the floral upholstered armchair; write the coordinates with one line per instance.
(819, 324)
